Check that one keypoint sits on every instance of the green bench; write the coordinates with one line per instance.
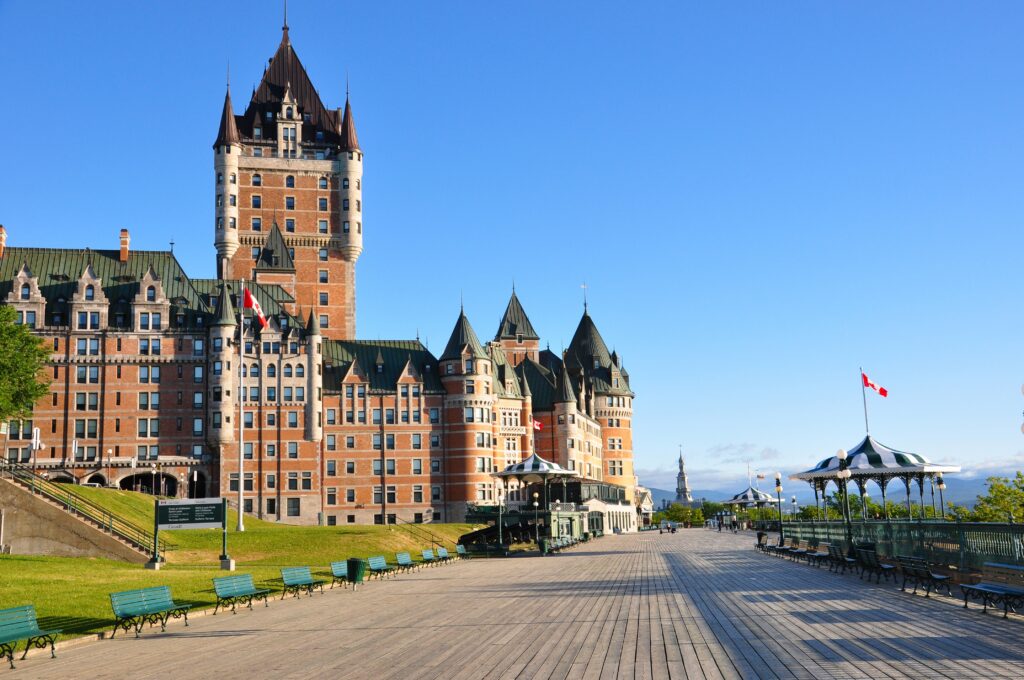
(380, 566)
(339, 574)
(238, 588)
(299, 578)
(404, 561)
(428, 557)
(461, 550)
(442, 555)
(134, 608)
(1000, 584)
(19, 623)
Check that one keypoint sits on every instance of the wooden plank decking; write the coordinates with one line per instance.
(696, 604)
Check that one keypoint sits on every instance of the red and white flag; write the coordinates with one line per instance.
(876, 387)
(249, 302)
(537, 425)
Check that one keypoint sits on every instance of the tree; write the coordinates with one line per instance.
(1004, 501)
(23, 357)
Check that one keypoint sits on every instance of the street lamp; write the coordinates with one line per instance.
(942, 487)
(844, 474)
(152, 468)
(864, 505)
(793, 501)
(110, 452)
(778, 495)
(536, 520)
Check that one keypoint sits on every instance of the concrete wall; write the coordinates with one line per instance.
(33, 526)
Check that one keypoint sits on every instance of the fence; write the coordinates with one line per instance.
(966, 545)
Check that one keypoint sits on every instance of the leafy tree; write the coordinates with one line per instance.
(23, 357)
(1004, 501)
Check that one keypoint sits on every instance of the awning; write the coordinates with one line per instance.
(873, 459)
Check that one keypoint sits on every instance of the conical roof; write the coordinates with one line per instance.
(515, 322)
(463, 335)
(565, 392)
(224, 314)
(587, 344)
(313, 325)
(228, 131)
(274, 255)
(349, 141)
(520, 371)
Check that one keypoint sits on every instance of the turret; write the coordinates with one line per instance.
(314, 380)
(222, 395)
(227, 150)
(350, 185)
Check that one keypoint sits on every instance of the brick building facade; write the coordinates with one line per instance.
(159, 384)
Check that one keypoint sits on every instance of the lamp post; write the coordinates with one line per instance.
(536, 519)
(793, 501)
(778, 496)
(110, 452)
(843, 475)
(942, 487)
(864, 506)
(152, 468)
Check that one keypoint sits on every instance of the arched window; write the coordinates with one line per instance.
(287, 370)
(90, 292)
(151, 294)
(289, 181)
(271, 371)
(257, 180)
(323, 182)
(288, 112)
(299, 371)
(254, 371)
(26, 291)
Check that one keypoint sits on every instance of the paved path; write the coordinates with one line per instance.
(698, 604)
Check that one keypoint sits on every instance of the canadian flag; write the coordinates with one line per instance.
(537, 425)
(249, 302)
(877, 388)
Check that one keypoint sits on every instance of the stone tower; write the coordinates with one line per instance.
(683, 494)
(291, 161)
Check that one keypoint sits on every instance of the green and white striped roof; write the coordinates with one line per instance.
(751, 496)
(535, 466)
(871, 458)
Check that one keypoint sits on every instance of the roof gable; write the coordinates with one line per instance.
(515, 322)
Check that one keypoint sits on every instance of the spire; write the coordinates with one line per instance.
(313, 325)
(588, 345)
(565, 392)
(224, 314)
(527, 392)
(284, 27)
(463, 335)
(349, 141)
(274, 255)
(515, 322)
(228, 132)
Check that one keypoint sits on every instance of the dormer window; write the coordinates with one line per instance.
(307, 117)
(288, 112)
(26, 291)
(90, 292)
(151, 294)
(519, 338)
(319, 136)
(597, 364)
(270, 116)
(469, 365)
(257, 132)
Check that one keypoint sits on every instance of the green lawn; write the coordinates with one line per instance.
(71, 593)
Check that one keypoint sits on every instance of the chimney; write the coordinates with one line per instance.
(125, 240)
(3, 240)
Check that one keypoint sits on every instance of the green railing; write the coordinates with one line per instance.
(419, 532)
(965, 545)
(71, 501)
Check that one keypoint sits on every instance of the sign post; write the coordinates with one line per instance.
(193, 513)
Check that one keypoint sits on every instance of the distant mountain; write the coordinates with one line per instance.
(670, 496)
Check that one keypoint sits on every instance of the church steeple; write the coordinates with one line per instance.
(683, 494)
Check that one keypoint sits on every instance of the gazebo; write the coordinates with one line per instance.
(752, 497)
(535, 469)
(873, 461)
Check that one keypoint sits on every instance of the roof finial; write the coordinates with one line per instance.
(229, 74)
(584, 287)
(462, 307)
(346, 84)
(513, 286)
(285, 27)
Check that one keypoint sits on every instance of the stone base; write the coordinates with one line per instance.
(227, 565)
(155, 566)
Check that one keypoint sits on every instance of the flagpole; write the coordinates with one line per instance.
(864, 397)
(241, 411)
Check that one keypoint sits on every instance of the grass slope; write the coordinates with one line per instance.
(72, 593)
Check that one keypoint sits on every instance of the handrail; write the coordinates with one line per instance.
(74, 503)
(419, 531)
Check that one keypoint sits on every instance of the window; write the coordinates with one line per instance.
(197, 400)
(322, 203)
(271, 481)
(289, 203)
(417, 443)
(323, 183)
(332, 497)
(331, 444)
(289, 181)
(350, 442)
(391, 445)
(255, 252)
(389, 416)
(378, 498)
(293, 449)
(322, 254)
(257, 180)
(248, 420)
(344, 183)
(26, 291)
(344, 205)
(345, 226)
(324, 321)
(350, 495)
(293, 507)
(417, 494)
(90, 292)
(289, 225)
(435, 415)
(376, 446)
(197, 374)
(323, 276)
(435, 493)
(332, 416)
(197, 427)
(322, 226)
(332, 468)
(257, 201)
(435, 442)
(257, 224)
(392, 498)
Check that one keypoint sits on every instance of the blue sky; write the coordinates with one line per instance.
(760, 197)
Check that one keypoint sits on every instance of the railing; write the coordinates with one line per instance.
(966, 545)
(65, 495)
(419, 532)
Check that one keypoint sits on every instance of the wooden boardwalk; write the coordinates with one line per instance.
(697, 604)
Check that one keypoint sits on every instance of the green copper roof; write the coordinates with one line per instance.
(339, 355)
(541, 383)
(58, 271)
(225, 312)
(274, 255)
(586, 348)
(463, 335)
(565, 391)
(515, 322)
(313, 325)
